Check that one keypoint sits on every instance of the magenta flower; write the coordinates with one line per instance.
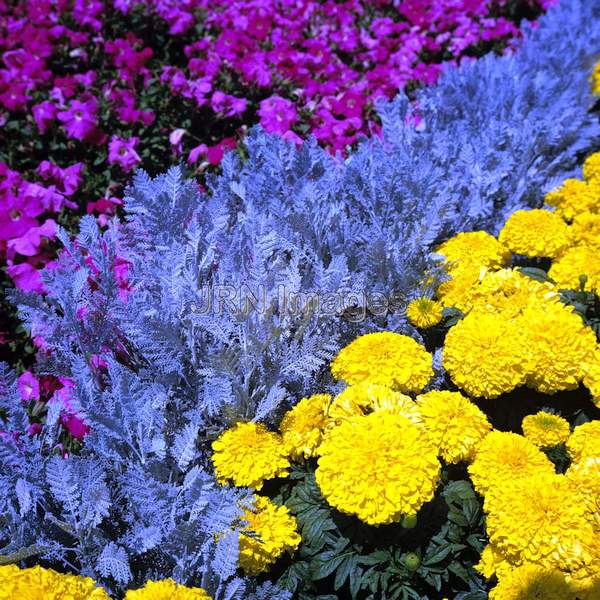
(29, 386)
(44, 115)
(226, 105)
(277, 114)
(122, 152)
(80, 119)
(175, 139)
(26, 277)
(31, 242)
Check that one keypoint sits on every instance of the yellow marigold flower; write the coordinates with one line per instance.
(37, 582)
(491, 562)
(535, 232)
(596, 79)
(483, 354)
(585, 477)
(573, 198)
(591, 166)
(585, 230)
(546, 430)
(530, 517)
(378, 467)
(532, 582)
(505, 456)
(591, 379)
(473, 249)
(461, 290)
(454, 424)
(302, 427)
(584, 442)
(424, 312)
(247, 454)
(166, 589)
(387, 358)
(575, 262)
(559, 345)
(509, 291)
(365, 398)
(272, 530)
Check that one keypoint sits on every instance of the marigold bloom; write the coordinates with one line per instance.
(576, 262)
(364, 398)
(591, 379)
(274, 532)
(37, 582)
(585, 230)
(473, 249)
(545, 429)
(535, 232)
(387, 358)
(532, 582)
(454, 424)
(584, 442)
(483, 354)
(491, 562)
(378, 467)
(505, 456)
(559, 346)
(302, 427)
(424, 312)
(585, 477)
(247, 454)
(166, 589)
(530, 517)
(573, 197)
(591, 166)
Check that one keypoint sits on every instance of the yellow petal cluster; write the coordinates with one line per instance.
(573, 198)
(454, 424)
(483, 354)
(387, 358)
(302, 427)
(166, 589)
(535, 232)
(505, 456)
(424, 312)
(378, 467)
(473, 249)
(584, 442)
(545, 429)
(558, 345)
(529, 516)
(532, 582)
(585, 231)
(39, 583)
(591, 379)
(591, 165)
(575, 263)
(270, 531)
(248, 454)
(365, 398)
(596, 80)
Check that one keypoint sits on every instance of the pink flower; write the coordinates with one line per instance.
(175, 140)
(26, 277)
(80, 120)
(44, 115)
(122, 152)
(68, 179)
(227, 106)
(29, 386)
(277, 114)
(30, 243)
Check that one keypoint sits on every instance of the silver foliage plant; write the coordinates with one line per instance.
(158, 373)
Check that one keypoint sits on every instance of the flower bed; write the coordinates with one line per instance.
(324, 377)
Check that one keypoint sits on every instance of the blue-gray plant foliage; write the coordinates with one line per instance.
(140, 500)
